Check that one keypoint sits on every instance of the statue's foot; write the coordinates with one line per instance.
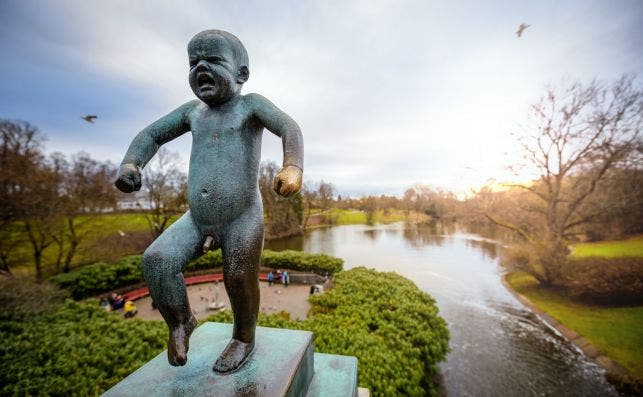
(233, 356)
(179, 343)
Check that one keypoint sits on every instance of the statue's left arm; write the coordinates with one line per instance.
(288, 180)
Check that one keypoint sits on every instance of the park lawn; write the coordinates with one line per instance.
(98, 227)
(356, 217)
(390, 216)
(347, 217)
(631, 247)
(615, 331)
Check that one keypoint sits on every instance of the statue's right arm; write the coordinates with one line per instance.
(147, 142)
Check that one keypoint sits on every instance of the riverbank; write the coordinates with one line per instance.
(610, 336)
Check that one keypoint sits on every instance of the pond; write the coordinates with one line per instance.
(498, 346)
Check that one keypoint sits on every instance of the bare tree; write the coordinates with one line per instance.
(283, 215)
(20, 153)
(20, 149)
(41, 210)
(420, 199)
(618, 201)
(576, 136)
(325, 191)
(10, 239)
(370, 207)
(28, 189)
(166, 188)
(86, 189)
(310, 196)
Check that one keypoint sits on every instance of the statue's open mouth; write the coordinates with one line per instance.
(204, 80)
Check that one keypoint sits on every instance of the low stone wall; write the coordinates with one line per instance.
(306, 278)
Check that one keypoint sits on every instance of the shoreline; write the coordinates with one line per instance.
(612, 368)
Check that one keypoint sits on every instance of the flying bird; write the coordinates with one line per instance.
(89, 118)
(523, 26)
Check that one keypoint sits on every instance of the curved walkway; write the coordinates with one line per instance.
(274, 299)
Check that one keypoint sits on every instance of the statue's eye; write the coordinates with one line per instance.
(214, 59)
(193, 62)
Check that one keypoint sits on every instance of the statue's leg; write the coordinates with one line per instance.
(163, 263)
(241, 246)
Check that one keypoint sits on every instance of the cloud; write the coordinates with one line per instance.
(387, 93)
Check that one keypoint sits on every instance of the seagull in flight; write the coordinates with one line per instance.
(89, 118)
(523, 26)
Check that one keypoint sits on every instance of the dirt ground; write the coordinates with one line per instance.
(293, 299)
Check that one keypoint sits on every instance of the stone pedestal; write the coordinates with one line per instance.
(283, 364)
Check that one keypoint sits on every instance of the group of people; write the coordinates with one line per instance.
(283, 277)
(116, 301)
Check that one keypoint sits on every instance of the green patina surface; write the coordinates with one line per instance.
(334, 376)
(281, 365)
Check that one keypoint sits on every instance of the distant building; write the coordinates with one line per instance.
(133, 201)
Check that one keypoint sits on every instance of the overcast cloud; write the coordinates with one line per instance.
(387, 93)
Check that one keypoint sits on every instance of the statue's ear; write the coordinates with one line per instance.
(243, 75)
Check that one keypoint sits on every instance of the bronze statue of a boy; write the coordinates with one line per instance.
(225, 208)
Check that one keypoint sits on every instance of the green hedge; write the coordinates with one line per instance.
(77, 350)
(102, 277)
(383, 319)
(298, 260)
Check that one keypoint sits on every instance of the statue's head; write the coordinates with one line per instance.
(218, 66)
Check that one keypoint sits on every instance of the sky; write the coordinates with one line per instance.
(387, 93)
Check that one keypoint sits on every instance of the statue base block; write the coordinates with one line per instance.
(283, 364)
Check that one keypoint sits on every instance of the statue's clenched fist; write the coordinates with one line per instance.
(129, 178)
(288, 181)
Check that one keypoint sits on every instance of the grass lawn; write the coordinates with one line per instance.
(630, 247)
(354, 217)
(615, 331)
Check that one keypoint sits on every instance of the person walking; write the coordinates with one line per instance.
(286, 278)
(271, 278)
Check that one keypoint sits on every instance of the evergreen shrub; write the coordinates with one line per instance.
(383, 319)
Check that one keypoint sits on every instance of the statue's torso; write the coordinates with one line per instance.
(224, 163)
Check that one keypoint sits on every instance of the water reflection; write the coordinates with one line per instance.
(422, 236)
(288, 243)
(372, 233)
(488, 248)
(498, 346)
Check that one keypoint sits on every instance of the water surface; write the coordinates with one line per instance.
(498, 346)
